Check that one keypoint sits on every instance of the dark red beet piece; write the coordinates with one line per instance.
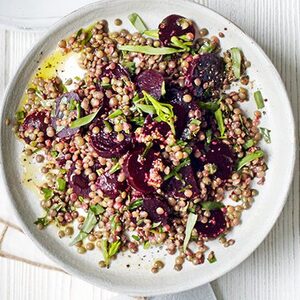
(150, 81)
(215, 225)
(117, 71)
(150, 205)
(35, 121)
(79, 183)
(209, 68)
(175, 187)
(109, 184)
(137, 169)
(66, 132)
(222, 156)
(174, 25)
(106, 144)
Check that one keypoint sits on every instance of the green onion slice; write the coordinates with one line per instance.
(248, 158)
(236, 58)
(259, 100)
(220, 121)
(84, 120)
(150, 50)
(152, 33)
(137, 22)
(266, 134)
(191, 221)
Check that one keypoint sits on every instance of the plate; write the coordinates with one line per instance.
(256, 222)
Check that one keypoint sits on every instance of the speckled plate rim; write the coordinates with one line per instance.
(260, 236)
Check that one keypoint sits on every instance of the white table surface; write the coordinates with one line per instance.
(273, 270)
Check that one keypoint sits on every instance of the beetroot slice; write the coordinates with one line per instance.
(209, 68)
(79, 183)
(35, 121)
(117, 71)
(109, 185)
(222, 156)
(66, 98)
(106, 144)
(172, 26)
(150, 81)
(150, 205)
(215, 225)
(175, 187)
(137, 169)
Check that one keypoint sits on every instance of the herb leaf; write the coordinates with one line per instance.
(113, 248)
(248, 158)
(97, 209)
(248, 144)
(61, 184)
(259, 100)
(109, 250)
(212, 106)
(84, 120)
(211, 205)
(266, 134)
(236, 58)
(115, 168)
(191, 221)
(152, 33)
(48, 193)
(220, 121)
(137, 22)
(44, 221)
(207, 47)
(150, 50)
(136, 204)
(148, 109)
(115, 114)
(20, 115)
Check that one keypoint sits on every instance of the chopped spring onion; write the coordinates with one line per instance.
(178, 43)
(220, 121)
(147, 245)
(184, 163)
(106, 85)
(150, 50)
(163, 88)
(236, 58)
(130, 66)
(136, 204)
(115, 168)
(148, 109)
(135, 237)
(207, 47)
(115, 114)
(152, 33)
(248, 158)
(84, 120)
(191, 221)
(211, 205)
(259, 100)
(137, 22)
(107, 125)
(97, 209)
(54, 153)
(61, 184)
(266, 134)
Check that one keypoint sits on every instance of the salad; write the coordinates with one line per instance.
(151, 146)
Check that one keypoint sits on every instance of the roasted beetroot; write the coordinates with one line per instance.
(175, 187)
(223, 157)
(137, 168)
(208, 69)
(68, 99)
(157, 209)
(33, 121)
(215, 225)
(106, 143)
(150, 81)
(79, 183)
(109, 184)
(115, 71)
(175, 25)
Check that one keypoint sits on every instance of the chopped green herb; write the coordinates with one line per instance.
(148, 109)
(39, 94)
(104, 248)
(84, 120)
(81, 199)
(248, 144)
(61, 184)
(191, 221)
(72, 104)
(236, 58)
(152, 33)
(207, 47)
(136, 204)
(147, 148)
(113, 248)
(211, 205)
(44, 221)
(79, 32)
(259, 100)
(208, 136)
(106, 85)
(139, 120)
(212, 259)
(137, 22)
(155, 224)
(130, 66)
(266, 134)
(195, 122)
(97, 209)
(48, 193)
(180, 44)
(248, 158)
(212, 106)
(150, 50)
(147, 245)
(107, 125)
(176, 169)
(163, 88)
(135, 237)
(88, 37)
(220, 121)
(20, 115)
(64, 88)
(115, 168)
(109, 250)
(54, 153)
(115, 114)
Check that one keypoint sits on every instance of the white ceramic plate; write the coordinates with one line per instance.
(256, 223)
